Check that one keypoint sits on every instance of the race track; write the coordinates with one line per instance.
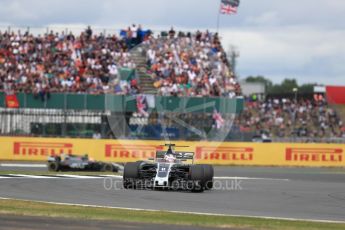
(301, 193)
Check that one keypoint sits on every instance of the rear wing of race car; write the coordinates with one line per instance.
(178, 155)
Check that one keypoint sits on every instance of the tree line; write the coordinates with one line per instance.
(286, 87)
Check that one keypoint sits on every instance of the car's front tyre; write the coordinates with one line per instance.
(130, 174)
(197, 177)
(208, 176)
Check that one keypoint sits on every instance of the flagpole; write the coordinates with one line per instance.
(218, 17)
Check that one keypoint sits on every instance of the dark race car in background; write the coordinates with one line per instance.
(69, 162)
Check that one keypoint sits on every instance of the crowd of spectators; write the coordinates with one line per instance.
(191, 64)
(286, 118)
(59, 62)
(180, 64)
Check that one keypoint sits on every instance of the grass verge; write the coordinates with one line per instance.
(29, 208)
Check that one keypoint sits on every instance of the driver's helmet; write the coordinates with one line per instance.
(169, 157)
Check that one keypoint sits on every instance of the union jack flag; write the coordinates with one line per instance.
(229, 6)
(142, 106)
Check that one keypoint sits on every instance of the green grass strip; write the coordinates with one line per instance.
(29, 208)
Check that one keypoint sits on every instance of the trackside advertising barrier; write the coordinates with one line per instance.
(227, 153)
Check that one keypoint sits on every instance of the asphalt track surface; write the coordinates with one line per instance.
(301, 193)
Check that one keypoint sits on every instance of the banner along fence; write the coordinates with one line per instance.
(219, 153)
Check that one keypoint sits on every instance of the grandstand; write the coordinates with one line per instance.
(284, 119)
(192, 64)
(176, 83)
(340, 111)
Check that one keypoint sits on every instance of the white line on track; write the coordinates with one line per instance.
(224, 178)
(80, 177)
(69, 176)
(114, 176)
(247, 178)
(55, 176)
(181, 212)
(24, 165)
(30, 176)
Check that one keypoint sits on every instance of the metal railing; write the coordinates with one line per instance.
(110, 125)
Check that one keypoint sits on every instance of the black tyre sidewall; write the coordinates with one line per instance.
(130, 174)
(53, 166)
(197, 173)
(107, 168)
(208, 180)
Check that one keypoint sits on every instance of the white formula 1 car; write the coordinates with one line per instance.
(169, 170)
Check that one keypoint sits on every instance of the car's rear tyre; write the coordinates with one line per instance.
(208, 179)
(53, 166)
(107, 168)
(130, 174)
